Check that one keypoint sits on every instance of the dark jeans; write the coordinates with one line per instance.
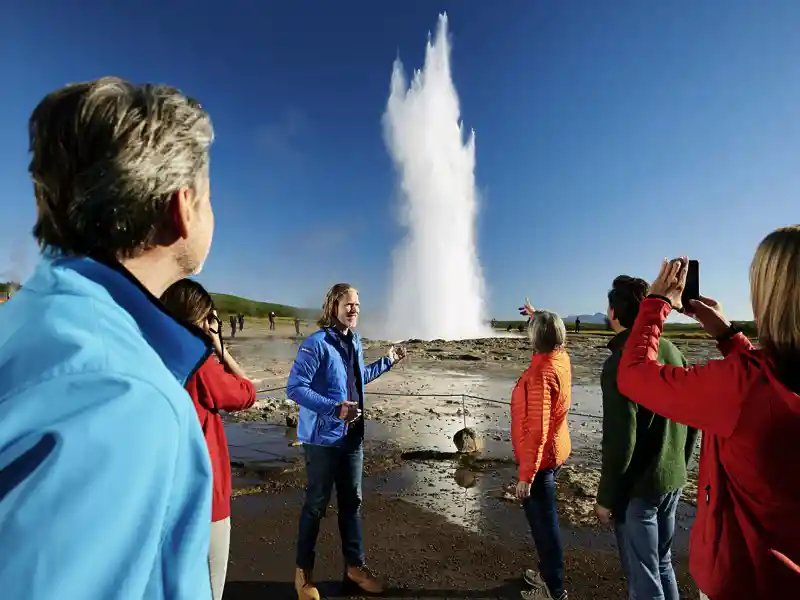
(326, 466)
(540, 509)
(645, 547)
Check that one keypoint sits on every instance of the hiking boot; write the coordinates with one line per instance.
(538, 589)
(303, 584)
(361, 579)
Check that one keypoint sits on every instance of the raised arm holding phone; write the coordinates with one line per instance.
(746, 539)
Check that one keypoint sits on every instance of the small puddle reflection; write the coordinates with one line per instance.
(462, 496)
(475, 501)
(260, 442)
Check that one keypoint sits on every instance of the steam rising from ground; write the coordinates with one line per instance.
(437, 287)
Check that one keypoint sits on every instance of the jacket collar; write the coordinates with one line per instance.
(340, 338)
(618, 341)
(540, 356)
(182, 348)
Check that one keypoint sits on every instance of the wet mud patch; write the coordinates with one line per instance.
(495, 479)
(420, 554)
(277, 475)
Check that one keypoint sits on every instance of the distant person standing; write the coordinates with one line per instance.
(241, 321)
(232, 320)
(105, 494)
(297, 326)
(327, 381)
(271, 321)
(577, 324)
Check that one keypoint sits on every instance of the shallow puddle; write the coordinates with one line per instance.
(423, 409)
(476, 500)
(256, 441)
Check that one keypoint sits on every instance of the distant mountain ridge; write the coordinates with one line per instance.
(595, 319)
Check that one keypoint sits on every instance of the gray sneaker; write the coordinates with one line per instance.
(538, 590)
(533, 578)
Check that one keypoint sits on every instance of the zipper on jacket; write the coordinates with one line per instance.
(708, 494)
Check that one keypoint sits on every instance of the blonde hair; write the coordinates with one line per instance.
(775, 292)
(330, 307)
(546, 332)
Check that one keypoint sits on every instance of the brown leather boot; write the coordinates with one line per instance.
(363, 579)
(303, 584)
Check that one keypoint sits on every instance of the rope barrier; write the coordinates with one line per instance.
(462, 396)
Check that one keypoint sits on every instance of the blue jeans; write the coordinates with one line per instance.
(540, 510)
(645, 547)
(326, 466)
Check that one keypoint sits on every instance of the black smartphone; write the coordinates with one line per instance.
(692, 289)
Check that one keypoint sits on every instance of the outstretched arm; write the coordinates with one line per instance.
(298, 388)
(374, 370)
(706, 397)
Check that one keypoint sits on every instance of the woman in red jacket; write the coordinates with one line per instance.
(745, 542)
(219, 385)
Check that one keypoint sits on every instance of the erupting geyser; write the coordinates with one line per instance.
(437, 288)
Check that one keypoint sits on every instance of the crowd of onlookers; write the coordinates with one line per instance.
(109, 489)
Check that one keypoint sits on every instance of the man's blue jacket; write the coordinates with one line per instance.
(318, 383)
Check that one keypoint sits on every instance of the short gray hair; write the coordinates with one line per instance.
(107, 158)
(546, 331)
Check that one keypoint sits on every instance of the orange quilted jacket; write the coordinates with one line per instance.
(539, 405)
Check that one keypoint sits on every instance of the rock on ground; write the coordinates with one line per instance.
(467, 440)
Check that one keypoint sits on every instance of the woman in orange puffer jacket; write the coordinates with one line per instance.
(539, 405)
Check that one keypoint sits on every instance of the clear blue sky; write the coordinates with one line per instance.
(609, 134)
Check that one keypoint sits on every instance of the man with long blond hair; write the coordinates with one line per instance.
(746, 538)
(327, 381)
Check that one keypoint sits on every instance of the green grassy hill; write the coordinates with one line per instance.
(228, 304)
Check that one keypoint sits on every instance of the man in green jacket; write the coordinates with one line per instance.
(645, 459)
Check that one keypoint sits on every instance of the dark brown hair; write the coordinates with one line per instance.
(188, 301)
(330, 308)
(107, 157)
(625, 296)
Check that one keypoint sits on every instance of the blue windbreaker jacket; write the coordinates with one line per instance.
(105, 480)
(318, 383)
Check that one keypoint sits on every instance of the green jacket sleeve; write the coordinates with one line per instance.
(669, 354)
(619, 434)
(691, 433)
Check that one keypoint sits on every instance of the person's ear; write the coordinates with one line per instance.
(182, 211)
